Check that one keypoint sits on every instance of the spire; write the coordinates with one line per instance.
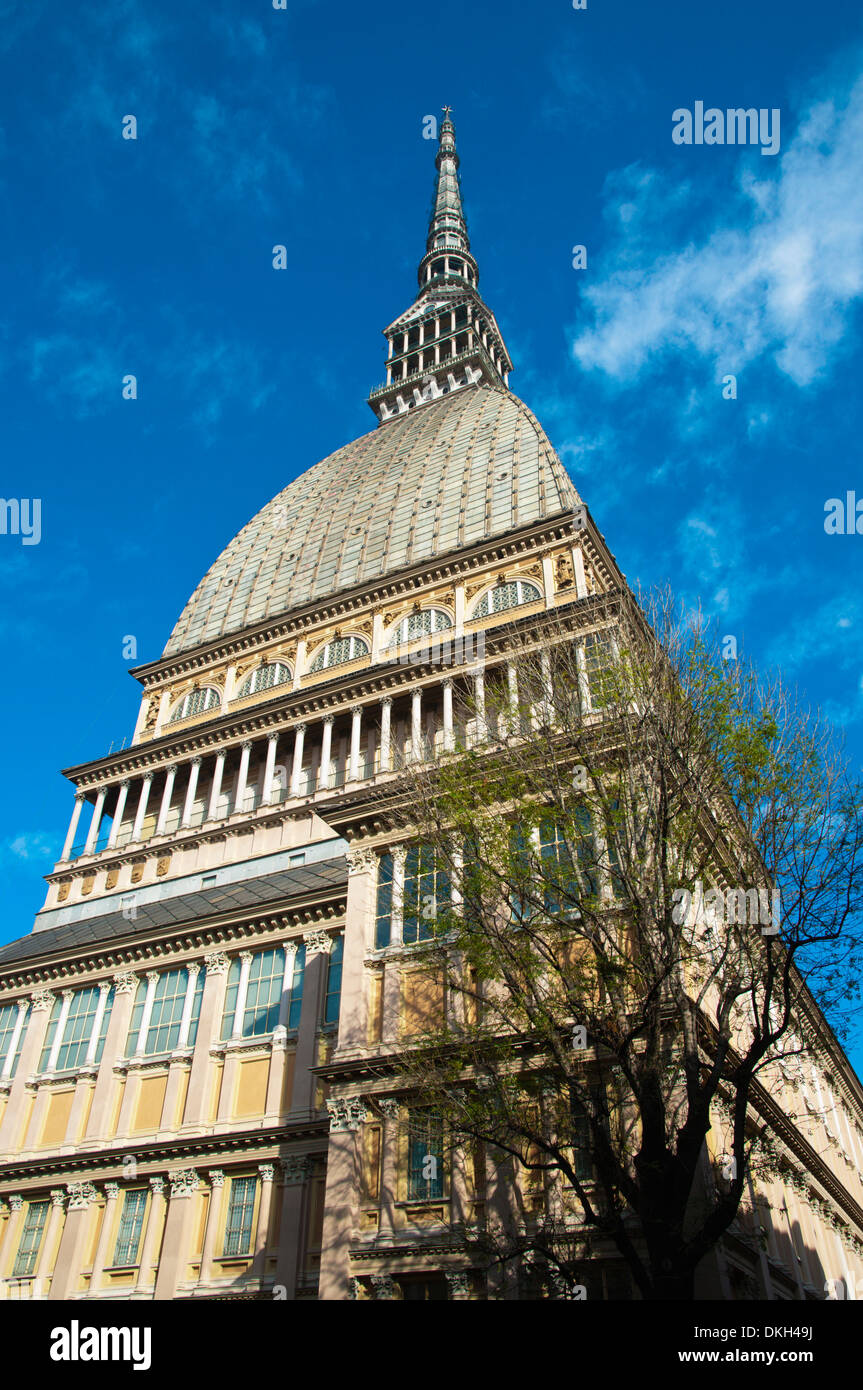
(448, 339)
(447, 228)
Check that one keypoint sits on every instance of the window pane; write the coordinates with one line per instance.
(334, 982)
(383, 916)
(266, 973)
(131, 1223)
(425, 1156)
(8, 1021)
(238, 1228)
(31, 1238)
(296, 1002)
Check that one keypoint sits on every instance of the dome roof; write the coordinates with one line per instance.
(472, 465)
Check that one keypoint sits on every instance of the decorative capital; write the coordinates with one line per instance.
(217, 963)
(81, 1194)
(447, 683)
(105, 986)
(361, 861)
(126, 782)
(112, 1191)
(157, 1186)
(246, 955)
(23, 1005)
(217, 1177)
(194, 968)
(197, 760)
(356, 710)
(383, 1286)
(300, 728)
(58, 1197)
(295, 1168)
(184, 1181)
(318, 943)
(42, 999)
(16, 1201)
(273, 737)
(152, 975)
(387, 702)
(125, 982)
(330, 719)
(148, 776)
(80, 796)
(68, 994)
(459, 1284)
(389, 1108)
(267, 1171)
(346, 1114)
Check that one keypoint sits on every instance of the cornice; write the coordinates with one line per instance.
(227, 930)
(152, 1157)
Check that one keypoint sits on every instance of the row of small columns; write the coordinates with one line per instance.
(183, 1183)
(270, 784)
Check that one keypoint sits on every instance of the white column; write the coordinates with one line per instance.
(356, 726)
(326, 753)
(104, 991)
(583, 684)
(166, 798)
(118, 813)
(216, 789)
(479, 700)
(242, 992)
(386, 730)
(23, 1005)
(141, 1041)
(193, 971)
(398, 909)
(272, 742)
(581, 590)
(194, 770)
(296, 769)
(243, 776)
(548, 689)
(73, 826)
(58, 1035)
(93, 832)
(290, 949)
(141, 812)
(512, 690)
(447, 715)
(416, 725)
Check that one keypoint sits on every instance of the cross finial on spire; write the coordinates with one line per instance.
(446, 110)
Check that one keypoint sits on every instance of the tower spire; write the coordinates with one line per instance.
(448, 339)
(448, 226)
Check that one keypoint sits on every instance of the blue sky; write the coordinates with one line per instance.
(304, 127)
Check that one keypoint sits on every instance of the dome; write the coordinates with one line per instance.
(471, 465)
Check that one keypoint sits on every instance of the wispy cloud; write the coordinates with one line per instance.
(775, 275)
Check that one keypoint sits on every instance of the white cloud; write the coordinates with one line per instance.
(777, 277)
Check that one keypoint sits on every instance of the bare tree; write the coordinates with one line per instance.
(635, 874)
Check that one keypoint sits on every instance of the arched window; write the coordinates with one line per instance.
(420, 624)
(336, 653)
(271, 673)
(196, 702)
(503, 596)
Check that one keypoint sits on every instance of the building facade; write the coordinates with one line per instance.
(193, 1036)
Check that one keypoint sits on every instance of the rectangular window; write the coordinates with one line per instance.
(599, 660)
(427, 892)
(8, 1021)
(384, 911)
(76, 1029)
(334, 981)
(425, 1156)
(241, 1207)
(31, 1238)
(266, 975)
(560, 885)
(163, 1032)
(131, 1224)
